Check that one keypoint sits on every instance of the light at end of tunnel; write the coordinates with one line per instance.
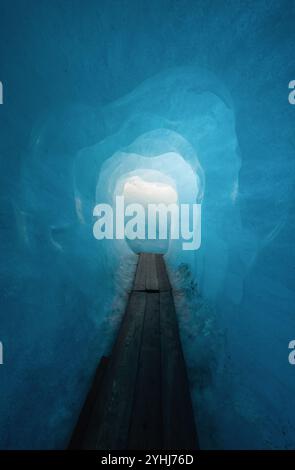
(144, 192)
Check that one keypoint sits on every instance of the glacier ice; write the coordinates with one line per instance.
(197, 100)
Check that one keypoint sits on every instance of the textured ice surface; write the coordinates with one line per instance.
(85, 85)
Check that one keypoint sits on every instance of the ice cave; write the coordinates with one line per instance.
(104, 101)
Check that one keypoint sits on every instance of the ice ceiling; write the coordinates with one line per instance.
(177, 125)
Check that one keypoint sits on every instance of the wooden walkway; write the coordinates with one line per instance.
(140, 396)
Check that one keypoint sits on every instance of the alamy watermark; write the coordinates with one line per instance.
(1, 93)
(151, 221)
(1, 353)
(291, 96)
(291, 357)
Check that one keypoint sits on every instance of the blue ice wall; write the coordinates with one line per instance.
(84, 82)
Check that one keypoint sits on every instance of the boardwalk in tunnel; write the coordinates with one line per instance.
(140, 395)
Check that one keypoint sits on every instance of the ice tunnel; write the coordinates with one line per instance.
(145, 103)
(194, 144)
(175, 177)
(173, 130)
(183, 136)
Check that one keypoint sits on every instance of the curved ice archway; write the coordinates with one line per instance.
(186, 108)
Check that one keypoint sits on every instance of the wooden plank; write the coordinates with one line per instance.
(163, 280)
(179, 431)
(146, 421)
(140, 276)
(152, 282)
(143, 401)
(108, 428)
(85, 415)
(151, 274)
